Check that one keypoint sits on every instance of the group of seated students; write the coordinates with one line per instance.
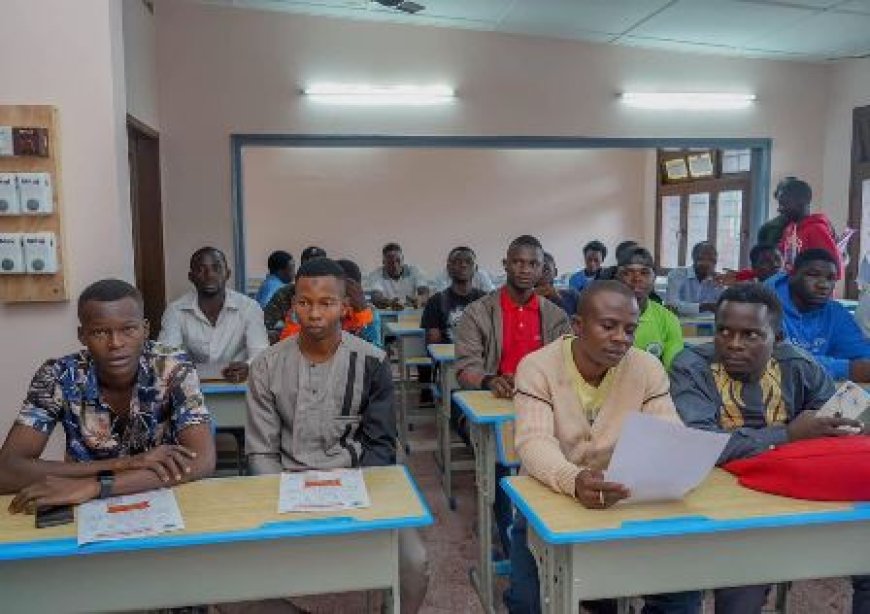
(576, 361)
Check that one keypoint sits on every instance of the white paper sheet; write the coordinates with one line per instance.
(322, 491)
(850, 401)
(662, 461)
(129, 516)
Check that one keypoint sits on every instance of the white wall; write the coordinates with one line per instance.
(76, 64)
(140, 62)
(225, 70)
(850, 88)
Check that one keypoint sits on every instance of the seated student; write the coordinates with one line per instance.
(594, 254)
(496, 331)
(562, 390)
(480, 280)
(281, 271)
(281, 303)
(221, 329)
(324, 399)
(395, 284)
(621, 249)
(764, 391)
(131, 410)
(658, 330)
(812, 320)
(765, 260)
(565, 298)
(359, 318)
(444, 309)
(692, 290)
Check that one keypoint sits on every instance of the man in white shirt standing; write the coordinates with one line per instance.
(221, 329)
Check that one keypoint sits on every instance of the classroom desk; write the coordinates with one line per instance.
(719, 535)
(689, 341)
(695, 326)
(226, 402)
(235, 547)
(410, 342)
(444, 355)
(388, 316)
(492, 423)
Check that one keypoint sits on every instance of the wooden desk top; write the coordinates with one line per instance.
(232, 509)
(482, 408)
(404, 329)
(718, 504)
(442, 352)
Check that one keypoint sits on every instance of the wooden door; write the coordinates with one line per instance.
(859, 195)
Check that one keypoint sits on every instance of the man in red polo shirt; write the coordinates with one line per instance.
(497, 331)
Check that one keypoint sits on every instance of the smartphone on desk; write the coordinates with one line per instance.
(53, 515)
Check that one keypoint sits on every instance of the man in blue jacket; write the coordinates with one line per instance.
(817, 323)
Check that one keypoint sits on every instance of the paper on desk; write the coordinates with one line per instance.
(662, 461)
(850, 401)
(322, 491)
(210, 372)
(129, 516)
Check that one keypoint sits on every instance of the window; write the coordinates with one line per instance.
(710, 202)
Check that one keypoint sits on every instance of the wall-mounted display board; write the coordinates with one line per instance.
(31, 225)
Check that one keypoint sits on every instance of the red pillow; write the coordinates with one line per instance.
(824, 469)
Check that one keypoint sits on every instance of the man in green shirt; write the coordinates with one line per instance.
(658, 330)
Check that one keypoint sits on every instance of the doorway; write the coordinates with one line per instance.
(143, 153)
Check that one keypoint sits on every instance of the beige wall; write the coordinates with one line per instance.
(78, 66)
(224, 70)
(140, 62)
(850, 88)
(430, 200)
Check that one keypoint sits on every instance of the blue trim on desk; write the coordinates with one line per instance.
(441, 360)
(282, 529)
(223, 388)
(472, 415)
(681, 525)
(405, 331)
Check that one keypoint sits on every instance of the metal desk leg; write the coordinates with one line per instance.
(444, 439)
(403, 397)
(483, 441)
(554, 575)
(393, 598)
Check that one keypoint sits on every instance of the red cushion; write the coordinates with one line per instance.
(825, 469)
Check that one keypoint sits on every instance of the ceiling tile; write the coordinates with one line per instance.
(731, 24)
(827, 34)
(859, 6)
(562, 16)
(813, 4)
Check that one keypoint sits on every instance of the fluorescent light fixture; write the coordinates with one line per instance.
(379, 95)
(700, 101)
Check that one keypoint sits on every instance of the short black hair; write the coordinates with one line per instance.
(637, 253)
(757, 294)
(796, 188)
(624, 246)
(526, 241)
(278, 261)
(351, 270)
(311, 252)
(701, 245)
(108, 291)
(549, 256)
(757, 250)
(320, 267)
(390, 247)
(810, 255)
(202, 251)
(595, 246)
(460, 248)
(597, 287)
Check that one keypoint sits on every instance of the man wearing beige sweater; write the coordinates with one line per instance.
(572, 397)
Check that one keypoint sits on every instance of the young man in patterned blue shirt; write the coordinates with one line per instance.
(132, 412)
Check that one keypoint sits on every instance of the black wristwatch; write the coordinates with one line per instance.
(485, 381)
(106, 479)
